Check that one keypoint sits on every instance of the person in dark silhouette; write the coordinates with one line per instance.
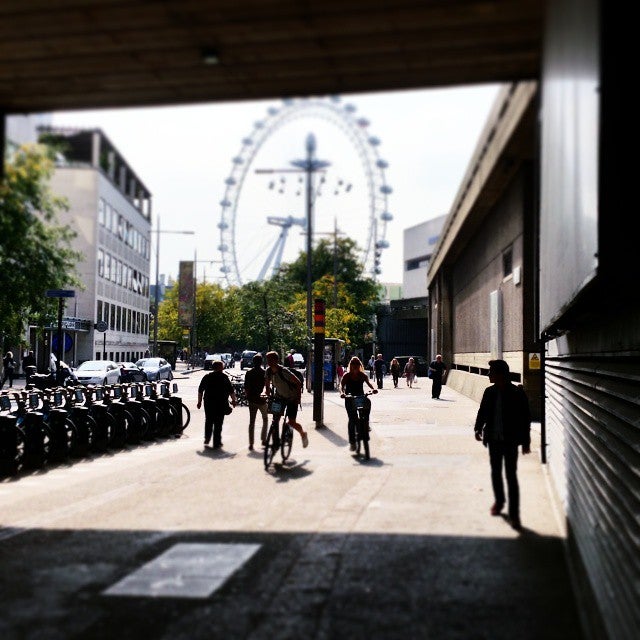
(254, 381)
(503, 424)
(394, 367)
(8, 369)
(216, 389)
(28, 361)
(437, 373)
(380, 369)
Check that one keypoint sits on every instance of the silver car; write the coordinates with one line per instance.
(156, 368)
(98, 372)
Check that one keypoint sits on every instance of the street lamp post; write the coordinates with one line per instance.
(158, 231)
(310, 165)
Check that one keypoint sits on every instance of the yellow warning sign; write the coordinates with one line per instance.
(534, 361)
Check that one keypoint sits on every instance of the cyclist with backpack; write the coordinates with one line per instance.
(288, 386)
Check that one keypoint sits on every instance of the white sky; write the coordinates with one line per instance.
(184, 154)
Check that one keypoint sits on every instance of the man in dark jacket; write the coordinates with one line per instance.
(254, 381)
(216, 389)
(503, 424)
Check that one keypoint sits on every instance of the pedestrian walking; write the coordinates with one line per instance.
(216, 388)
(288, 361)
(53, 364)
(28, 361)
(379, 369)
(503, 424)
(437, 372)
(254, 381)
(8, 369)
(394, 367)
(409, 372)
(370, 364)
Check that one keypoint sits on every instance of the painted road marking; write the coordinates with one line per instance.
(186, 570)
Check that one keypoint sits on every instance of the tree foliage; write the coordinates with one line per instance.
(35, 250)
(272, 314)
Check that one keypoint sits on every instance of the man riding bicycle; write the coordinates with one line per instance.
(286, 386)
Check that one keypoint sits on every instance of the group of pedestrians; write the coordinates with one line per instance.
(502, 424)
(216, 392)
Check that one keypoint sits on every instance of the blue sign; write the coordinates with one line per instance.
(60, 293)
(68, 343)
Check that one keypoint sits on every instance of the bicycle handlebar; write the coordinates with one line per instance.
(366, 393)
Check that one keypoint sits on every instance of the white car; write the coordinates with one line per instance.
(98, 372)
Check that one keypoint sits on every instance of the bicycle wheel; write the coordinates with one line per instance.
(118, 436)
(365, 444)
(186, 419)
(286, 442)
(72, 436)
(168, 419)
(137, 426)
(12, 445)
(270, 445)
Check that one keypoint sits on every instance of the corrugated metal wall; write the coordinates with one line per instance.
(593, 435)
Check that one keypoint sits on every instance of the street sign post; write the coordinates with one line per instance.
(61, 294)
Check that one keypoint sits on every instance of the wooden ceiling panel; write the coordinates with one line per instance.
(109, 53)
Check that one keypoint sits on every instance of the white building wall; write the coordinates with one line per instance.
(419, 242)
(22, 129)
(103, 219)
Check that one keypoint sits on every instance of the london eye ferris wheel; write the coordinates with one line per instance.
(262, 212)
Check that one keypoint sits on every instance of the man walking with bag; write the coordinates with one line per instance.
(216, 389)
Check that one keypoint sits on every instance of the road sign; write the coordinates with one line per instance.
(67, 342)
(101, 326)
(60, 293)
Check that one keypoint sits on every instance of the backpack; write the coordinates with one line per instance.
(297, 374)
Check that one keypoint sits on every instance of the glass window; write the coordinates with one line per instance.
(99, 310)
(101, 263)
(101, 212)
(112, 323)
(507, 263)
(107, 266)
(118, 318)
(107, 216)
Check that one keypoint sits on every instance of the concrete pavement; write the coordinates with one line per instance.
(325, 546)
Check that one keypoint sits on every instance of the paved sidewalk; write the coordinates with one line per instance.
(325, 546)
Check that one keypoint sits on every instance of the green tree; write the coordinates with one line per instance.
(268, 317)
(215, 317)
(35, 250)
(351, 298)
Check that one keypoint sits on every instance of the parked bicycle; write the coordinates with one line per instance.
(12, 439)
(237, 380)
(359, 407)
